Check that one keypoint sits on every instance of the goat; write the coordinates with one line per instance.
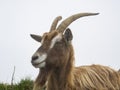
(55, 59)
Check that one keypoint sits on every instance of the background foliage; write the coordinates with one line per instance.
(24, 84)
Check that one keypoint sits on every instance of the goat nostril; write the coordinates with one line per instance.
(34, 58)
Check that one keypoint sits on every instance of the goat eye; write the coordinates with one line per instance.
(58, 43)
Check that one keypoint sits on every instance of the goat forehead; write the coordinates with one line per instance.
(49, 36)
(55, 39)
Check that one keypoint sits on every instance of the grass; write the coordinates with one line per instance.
(24, 84)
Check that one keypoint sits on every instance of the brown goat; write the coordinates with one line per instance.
(55, 58)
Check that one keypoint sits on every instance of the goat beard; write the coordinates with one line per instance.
(42, 77)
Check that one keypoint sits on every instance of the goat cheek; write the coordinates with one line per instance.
(51, 59)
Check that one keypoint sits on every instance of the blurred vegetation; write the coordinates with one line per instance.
(24, 84)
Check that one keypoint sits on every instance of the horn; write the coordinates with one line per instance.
(54, 24)
(64, 24)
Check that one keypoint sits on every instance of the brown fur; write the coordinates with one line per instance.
(40, 82)
(96, 77)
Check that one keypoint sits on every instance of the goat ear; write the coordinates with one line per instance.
(36, 37)
(68, 35)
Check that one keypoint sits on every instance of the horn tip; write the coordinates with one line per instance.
(32, 35)
(96, 13)
(59, 17)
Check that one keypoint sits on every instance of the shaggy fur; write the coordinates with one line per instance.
(96, 77)
(40, 82)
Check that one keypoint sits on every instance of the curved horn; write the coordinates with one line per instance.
(54, 24)
(72, 18)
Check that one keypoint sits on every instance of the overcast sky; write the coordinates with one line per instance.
(96, 39)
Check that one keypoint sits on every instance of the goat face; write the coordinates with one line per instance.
(54, 49)
(54, 44)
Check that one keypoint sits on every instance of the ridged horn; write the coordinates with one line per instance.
(55, 22)
(64, 24)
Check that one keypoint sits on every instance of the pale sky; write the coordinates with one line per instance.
(96, 39)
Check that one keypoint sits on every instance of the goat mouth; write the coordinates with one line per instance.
(37, 64)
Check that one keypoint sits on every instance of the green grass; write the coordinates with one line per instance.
(24, 84)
